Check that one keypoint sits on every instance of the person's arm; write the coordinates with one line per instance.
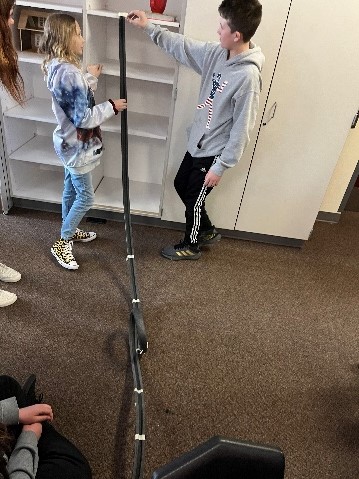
(24, 459)
(190, 53)
(244, 116)
(10, 414)
(71, 90)
(9, 411)
(93, 72)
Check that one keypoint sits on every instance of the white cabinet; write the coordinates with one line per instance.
(315, 92)
(35, 171)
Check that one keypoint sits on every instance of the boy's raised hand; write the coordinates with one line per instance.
(95, 70)
(35, 413)
(137, 18)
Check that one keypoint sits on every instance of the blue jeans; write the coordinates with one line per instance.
(77, 198)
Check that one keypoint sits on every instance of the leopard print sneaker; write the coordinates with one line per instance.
(62, 250)
(83, 236)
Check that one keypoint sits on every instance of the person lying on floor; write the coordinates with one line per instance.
(30, 447)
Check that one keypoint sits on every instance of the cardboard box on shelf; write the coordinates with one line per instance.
(31, 26)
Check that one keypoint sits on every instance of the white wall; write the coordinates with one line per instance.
(342, 174)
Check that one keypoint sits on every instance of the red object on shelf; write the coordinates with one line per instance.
(158, 6)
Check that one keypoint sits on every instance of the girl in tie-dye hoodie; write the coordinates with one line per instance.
(77, 138)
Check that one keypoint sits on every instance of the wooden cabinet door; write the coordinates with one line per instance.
(313, 99)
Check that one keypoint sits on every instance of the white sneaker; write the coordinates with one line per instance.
(8, 275)
(6, 298)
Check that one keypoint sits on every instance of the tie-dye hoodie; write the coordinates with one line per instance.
(77, 138)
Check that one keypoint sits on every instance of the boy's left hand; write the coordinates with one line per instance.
(95, 70)
(211, 179)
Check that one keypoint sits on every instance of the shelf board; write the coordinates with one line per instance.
(30, 57)
(164, 23)
(112, 67)
(37, 109)
(44, 185)
(144, 197)
(64, 6)
(139, 124)
(140, 71)
(39, 149)
(112, 14)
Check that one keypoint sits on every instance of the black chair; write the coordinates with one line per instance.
(221, 458)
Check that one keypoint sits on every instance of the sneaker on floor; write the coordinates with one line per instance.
(181, 251)
(7, 298)
(208, 237)
(83, 236)
(62, 250)
(8, 275)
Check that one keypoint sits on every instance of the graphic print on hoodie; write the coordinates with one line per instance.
(217, 87)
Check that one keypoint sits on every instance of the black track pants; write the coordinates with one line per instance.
(58, 457)
(189, 186)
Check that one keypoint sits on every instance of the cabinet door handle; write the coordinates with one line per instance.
(355, 120)
(271, 113)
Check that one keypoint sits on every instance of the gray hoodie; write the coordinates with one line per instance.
(24, 458)
(228, 97)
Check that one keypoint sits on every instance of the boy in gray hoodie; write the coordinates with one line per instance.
(225, 114)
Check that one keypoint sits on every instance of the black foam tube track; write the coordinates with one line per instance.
(137, 333)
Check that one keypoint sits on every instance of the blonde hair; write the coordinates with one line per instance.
(59, 30)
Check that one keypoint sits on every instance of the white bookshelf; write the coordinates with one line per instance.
(36, 109)
(39, 149)
(30, 57)
(144, 197)
(36, 182)
(147, 126)
(35, 170)
(65, 6)
(140, 72)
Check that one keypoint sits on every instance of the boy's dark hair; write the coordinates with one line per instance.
(242, 16)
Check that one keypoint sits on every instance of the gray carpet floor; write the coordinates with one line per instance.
(253, 341)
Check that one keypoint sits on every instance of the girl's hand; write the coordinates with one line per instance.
(95, 70)
(35, 413)
(137, 18)
(120, 104)
(36, 428)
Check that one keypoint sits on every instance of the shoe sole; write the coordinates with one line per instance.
(9, 303)
(10, 280)
(64, 265)
(84, 240)
(180, 258)
(211, 241)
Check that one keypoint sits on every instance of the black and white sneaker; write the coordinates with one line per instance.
(62, 250)
(180, 251)
(208, 237)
